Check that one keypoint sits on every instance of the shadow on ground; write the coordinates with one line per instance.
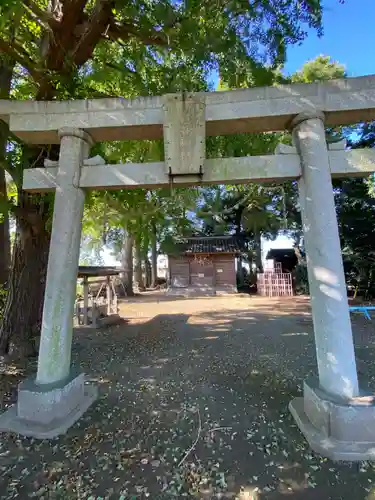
(193, 404)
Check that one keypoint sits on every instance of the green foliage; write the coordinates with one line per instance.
(90, 254)
(356, 217)
(319, 69)
(59, 49)
(108, 215)
(355, 206)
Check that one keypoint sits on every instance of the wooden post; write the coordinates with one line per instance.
(109, 296)
(85, 301)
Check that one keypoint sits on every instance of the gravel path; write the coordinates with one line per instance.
(193, 404)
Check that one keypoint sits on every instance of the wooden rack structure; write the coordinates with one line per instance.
(98, 307)
(273, 282)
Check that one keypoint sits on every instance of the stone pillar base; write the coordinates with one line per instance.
(340, 429)
(46, 411)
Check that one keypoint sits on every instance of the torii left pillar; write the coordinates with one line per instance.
(50, 404)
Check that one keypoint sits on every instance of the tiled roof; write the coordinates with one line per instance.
(281, 253)
(97, 271)
(210, 244)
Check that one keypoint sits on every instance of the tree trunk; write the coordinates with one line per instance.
(4, 232)
(145, 249)
(240, 273)
(6, 71)
(258, 251)
(138, 266)
(154, 257)
(147, 272)
(24, 307)
(298, 254)
(22, 318)
(127, 264)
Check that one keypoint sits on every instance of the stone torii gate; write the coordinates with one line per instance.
(333, 415)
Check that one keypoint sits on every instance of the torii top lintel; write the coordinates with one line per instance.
(259, 109)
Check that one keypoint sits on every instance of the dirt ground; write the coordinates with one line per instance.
(193, 404)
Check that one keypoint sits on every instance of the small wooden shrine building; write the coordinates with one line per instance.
(204, 265)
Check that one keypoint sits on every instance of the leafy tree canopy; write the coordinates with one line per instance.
(319, 69)
(56, 42)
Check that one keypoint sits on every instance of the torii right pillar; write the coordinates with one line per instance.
(336, 418)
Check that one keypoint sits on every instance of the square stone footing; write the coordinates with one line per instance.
(47, 411)
(110, 320)
(340, 429)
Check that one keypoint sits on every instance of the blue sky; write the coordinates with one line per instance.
(347, 29)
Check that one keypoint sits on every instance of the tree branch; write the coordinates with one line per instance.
(41, 15)
(127, 30)
(65, 38)
(117, 67)
(152, 37)
(94, 31)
